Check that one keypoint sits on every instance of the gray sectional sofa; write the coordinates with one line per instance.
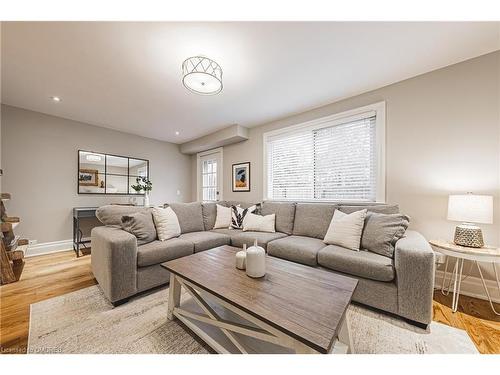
(402, 284)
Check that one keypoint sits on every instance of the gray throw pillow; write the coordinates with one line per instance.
(141, 225)
(381, 232)
(111, 214)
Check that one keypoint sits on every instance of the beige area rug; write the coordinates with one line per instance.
(85, 322)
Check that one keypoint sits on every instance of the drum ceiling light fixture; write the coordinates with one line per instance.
(202, 75)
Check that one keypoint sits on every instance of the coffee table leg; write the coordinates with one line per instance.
(174, 296)
(345, 335)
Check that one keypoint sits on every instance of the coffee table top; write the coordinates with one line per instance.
(304, 302)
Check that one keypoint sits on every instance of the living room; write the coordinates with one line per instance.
(179, 187)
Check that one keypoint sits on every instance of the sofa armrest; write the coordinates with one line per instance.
(114, 261)
(414, 262)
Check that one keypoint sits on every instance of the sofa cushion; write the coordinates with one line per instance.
(205, 240)
(227, 231)
(141, 225)
(377, 208)
(382, 231)
(238, 215)
(248, 238)
(297, 249)
(162, 251)
(222, 217)
(285, 215)
(166, 222)
(345, 229)
(190, 216)
(312, 219)
(209, 211)
(111, 214)
(358, 263)
(259, 223)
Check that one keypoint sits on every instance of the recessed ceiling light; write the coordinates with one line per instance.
(177, 133)
(55, 98)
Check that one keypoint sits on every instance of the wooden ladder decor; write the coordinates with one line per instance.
(12, 248)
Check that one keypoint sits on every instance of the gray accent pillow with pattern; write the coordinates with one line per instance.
(381, 232)
(141, 225)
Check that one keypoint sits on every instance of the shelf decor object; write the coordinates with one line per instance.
(202, 75)
(470, 208)
(12, 248)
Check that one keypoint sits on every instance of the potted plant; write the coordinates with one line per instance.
(143, 184)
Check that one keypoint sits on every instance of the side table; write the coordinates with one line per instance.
(485, 254)
(78, 240)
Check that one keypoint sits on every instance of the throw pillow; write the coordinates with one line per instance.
(238, 214)
(382, 231)
(141, 225)
(223, 218)
(345, 229)
(259, 223)
(167, 223)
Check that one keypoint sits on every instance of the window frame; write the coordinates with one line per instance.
(332, 120)
(199, 155)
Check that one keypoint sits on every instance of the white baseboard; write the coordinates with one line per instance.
(49, 247)
(471, 286)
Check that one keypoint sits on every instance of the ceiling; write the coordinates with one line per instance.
(127, 75)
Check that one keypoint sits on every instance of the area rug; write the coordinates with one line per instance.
(85, 322)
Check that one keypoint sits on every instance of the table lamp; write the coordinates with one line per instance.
(470, 208)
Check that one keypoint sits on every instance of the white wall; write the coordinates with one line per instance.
(40, 161)
(443, 136)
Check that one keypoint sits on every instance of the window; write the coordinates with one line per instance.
(209, 175)
(337, 158)
(209, 180)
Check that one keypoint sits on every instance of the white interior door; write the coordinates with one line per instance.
(210, 176)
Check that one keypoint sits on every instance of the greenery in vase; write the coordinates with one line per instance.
(143, 183)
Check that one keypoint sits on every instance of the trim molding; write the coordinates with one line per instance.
(49, 247)
(471, 286)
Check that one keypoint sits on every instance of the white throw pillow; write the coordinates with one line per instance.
(223, 218)
(345, 229)
(166, 223)
(238, 215)
(259, 223)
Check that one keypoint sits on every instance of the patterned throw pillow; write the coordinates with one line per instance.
(238, 215)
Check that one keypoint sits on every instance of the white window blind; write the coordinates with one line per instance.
(331, 161)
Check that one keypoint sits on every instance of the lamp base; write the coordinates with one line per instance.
(468, 235)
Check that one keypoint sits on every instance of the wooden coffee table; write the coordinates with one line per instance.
(293, 309)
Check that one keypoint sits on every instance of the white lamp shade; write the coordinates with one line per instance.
(471, 208)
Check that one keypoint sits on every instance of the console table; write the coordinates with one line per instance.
(484, 254)
(78, 239)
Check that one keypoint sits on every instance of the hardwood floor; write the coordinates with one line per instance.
(474, 316)
(52, 275)
(43, 277)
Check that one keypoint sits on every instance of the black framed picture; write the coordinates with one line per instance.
(241, 177)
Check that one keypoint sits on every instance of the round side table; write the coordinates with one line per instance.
(485, 254)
